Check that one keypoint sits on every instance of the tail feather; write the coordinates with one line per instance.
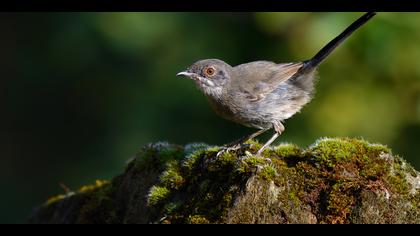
(327, 49)
(304, 78)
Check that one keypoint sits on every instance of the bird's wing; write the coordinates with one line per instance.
(257, 79)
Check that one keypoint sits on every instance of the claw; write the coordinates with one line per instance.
(231, 148)
(220, 153)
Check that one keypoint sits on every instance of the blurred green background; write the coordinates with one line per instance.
(82, 92)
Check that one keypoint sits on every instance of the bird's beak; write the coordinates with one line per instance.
(185, 73)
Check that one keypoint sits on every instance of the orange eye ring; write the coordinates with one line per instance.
(209, 71)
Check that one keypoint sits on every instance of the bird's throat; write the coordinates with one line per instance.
(210, 89)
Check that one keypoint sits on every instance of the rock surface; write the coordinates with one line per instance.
(337, 180)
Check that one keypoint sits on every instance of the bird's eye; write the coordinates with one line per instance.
(209, 71)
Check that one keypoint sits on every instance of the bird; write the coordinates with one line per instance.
(262, 94)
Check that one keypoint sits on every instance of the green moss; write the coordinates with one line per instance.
(156, 154)
(207, 189)
(98, 184)
(332, 181)
(212, 150)
(225, 160)
(185, 175)
(171, 152)
(346, 164)
(253, 144)
(294, 198)
(398, 183)
(373, 169)
(227, 199)
(309, 173)
(99, 205)
(248, 164)
(84, 189)
(157, 194)
(171, 177)
(142, 161)
(327, 152)
(396, 177)
(378, 148)
(191, 159)
(171, 207)
(287, 150)
(194, 147)
(54, 199)
(189, 162)
(268, 172)
(197, 219)
(340, 201)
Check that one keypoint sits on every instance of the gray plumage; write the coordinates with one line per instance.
(257, 94)
(262, 94)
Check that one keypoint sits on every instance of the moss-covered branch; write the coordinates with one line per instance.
(332, 181)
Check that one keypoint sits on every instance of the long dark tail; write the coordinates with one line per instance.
(327, 49)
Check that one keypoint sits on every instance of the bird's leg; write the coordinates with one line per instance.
(237, 144)
(278, 128)
(246, 138)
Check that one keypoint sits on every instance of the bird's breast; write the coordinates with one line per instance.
(223, 108)
(236, 109)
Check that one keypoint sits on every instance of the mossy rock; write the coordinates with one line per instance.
(337, 180)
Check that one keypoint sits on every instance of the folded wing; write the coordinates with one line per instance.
(260, 78)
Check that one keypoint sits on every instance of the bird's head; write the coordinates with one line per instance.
(210, 75)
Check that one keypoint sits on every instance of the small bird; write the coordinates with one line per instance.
(262, 94)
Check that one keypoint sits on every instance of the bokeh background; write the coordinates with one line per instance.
(82, 92)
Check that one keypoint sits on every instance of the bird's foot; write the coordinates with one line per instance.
(234, 147)
(258, 154)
